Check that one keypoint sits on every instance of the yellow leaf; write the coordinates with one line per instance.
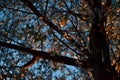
(62, 22)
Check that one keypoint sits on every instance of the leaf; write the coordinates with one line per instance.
(63, 22)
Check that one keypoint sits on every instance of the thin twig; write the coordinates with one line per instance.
(46, 8)
(63, 42)
(16, 10)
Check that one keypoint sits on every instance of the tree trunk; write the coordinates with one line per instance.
(99, 55)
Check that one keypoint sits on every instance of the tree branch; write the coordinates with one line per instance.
(10, 8)
(41, 54)
(31, 62)
(63, 42)
(43, 18)
(46, 8)
(56, 58)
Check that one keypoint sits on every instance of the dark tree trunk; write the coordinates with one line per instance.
(100, 58)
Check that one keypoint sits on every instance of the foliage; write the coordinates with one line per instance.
(19, 25)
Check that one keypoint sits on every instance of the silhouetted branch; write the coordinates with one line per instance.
(51, 25)
(31, 62)
(42, 54)
(42, 17)
(46, 8)
(16, 9)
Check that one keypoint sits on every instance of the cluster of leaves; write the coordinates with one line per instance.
(19, 25)
(113, 32)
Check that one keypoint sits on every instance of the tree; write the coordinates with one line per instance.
(42, 34)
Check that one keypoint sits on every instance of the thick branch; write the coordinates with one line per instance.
(41, 54)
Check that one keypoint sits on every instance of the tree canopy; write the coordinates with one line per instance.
(51, 39)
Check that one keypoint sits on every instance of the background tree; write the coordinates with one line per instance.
(41, 38)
